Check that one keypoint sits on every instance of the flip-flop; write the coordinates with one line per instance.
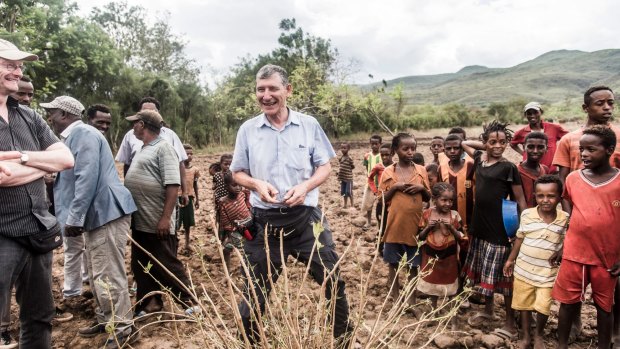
(505, 334)
(479, 318)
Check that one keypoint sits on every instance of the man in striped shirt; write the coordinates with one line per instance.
(28, 150)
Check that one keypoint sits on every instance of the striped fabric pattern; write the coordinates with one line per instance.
(153, 167)
(26, 131)
(540, 241)
(345, 170)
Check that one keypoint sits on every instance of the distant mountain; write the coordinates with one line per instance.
(552, 77)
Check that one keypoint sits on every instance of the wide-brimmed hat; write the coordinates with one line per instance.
(65, 103)
(148, 116)
(12, 53)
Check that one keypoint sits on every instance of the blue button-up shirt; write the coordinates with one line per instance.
(283, 158)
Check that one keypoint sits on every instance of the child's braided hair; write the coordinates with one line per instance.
(441, 187)
(496, 126)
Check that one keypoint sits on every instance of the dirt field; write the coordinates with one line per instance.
(346, 227)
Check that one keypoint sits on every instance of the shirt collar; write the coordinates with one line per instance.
(293, 118)
(561, 216)
(155, 141)
(67, 131)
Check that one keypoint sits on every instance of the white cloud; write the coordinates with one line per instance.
(393, 38)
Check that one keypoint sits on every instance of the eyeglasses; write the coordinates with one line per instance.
(11, 67)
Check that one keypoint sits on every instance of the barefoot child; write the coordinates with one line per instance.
(533, 258)
(591, 253)
(345, 174)
(441, 229)
(405, 187)
(375, 175)
(531, 168)
(496, 179)
(371, 159)
(186, 213)
(233, 212)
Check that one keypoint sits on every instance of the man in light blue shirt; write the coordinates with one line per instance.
(283, 156)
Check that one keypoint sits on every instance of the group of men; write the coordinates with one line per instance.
(93, 209)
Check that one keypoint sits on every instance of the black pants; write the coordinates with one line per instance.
(165, 251)
(299, 245)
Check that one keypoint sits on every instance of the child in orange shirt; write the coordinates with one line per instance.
(405, 187)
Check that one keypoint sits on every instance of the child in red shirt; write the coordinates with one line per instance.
(532, 168)
(591, 252)
(234, 212)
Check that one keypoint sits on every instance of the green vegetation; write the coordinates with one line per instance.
(115, 57)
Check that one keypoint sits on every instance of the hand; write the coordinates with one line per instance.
(163, 228)
(5, 171)
(296, 195)
(556, 258)
(196, 204)
(508, 268)
(412, 189)
(10, 155)
(433, 224)
(615, 269)
(400, 186)
(72, 231)
(266, 191)
(183, 200)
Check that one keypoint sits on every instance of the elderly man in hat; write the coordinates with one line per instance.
(28, 150)
(94, 208)
(154, 179)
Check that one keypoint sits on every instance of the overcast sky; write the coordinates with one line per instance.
(392, 38)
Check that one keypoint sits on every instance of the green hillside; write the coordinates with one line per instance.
(550, 78)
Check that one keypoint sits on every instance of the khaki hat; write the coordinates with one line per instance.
(65, 103)
(12, 53)
(150, 117)
(532, 105)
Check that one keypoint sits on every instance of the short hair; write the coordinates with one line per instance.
(93, 109)
(432, 168)
(187, 146)
(418, 158)
(345, 143)
(606, 134)
(377, 137)
(216, 167)
(546, 179)
(437, 137)
(225, 157)
(228, 178)
(536, 135)
(396, 140)
(587, 96)
(386, 146)
(266, 71)
(441, 187)
(496, 126)
(458, 130)
(24, 78)
(149, 100)
(453, 137)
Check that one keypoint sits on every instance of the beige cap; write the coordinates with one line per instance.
(66, 103)
(532, 105)
(12, 53)
(150, 117)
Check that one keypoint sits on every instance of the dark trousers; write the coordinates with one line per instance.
(299, 245)
(32, 276)
(165, 251)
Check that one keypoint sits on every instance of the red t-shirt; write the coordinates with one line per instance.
(554, 133)
(527, 182)
(593, 231)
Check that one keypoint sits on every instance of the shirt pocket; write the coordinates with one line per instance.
(298, 159)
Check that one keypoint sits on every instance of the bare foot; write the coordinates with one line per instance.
(524, 343)
(539, 343)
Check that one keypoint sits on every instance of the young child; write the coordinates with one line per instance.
(418, 159)
(440, 227)
(433, 173)
(437, 145)
(233, 210)
(371, 159)
(534, 258)
(535, 148)
(345, 174)
(405, 187)
(186, 213)
(219, 188)
(375, 175)
(496, 179)
(591, 253)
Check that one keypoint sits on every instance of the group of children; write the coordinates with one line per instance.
(461, 234)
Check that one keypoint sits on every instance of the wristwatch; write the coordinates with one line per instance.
(24, 158)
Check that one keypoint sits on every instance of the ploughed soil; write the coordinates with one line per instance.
(206, 268)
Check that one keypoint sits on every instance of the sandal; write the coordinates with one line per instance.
(505, 334)
(480, 318)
